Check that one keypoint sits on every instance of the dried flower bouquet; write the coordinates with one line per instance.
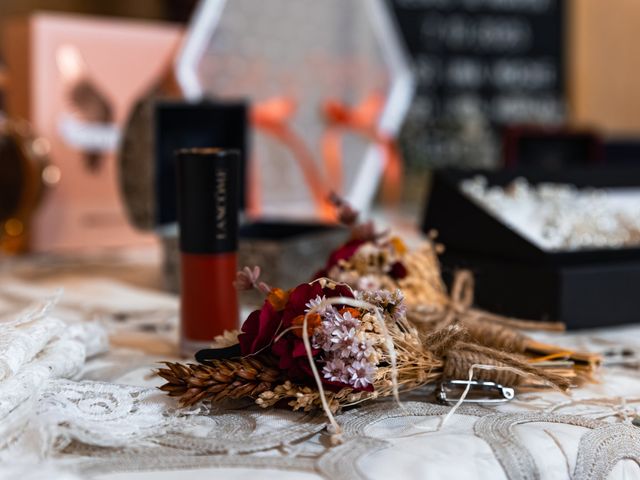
(377, 321)
(358, 345)
(324, 345)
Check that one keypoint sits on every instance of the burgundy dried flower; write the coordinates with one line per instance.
(276, 326)
(398, 271)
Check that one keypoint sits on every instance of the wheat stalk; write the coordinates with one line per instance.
(220, 379)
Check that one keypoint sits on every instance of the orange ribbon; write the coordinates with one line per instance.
(361, 119)
(272, 117)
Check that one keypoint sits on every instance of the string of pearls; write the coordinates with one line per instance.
(560, 216)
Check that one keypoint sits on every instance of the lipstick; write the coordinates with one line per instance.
(208, 185)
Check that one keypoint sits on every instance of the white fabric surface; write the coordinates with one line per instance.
(21, 342)
(62, 358)
(206, 474)
(35, 346)
(122, 428)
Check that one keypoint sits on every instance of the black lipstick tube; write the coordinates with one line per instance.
(208, 185)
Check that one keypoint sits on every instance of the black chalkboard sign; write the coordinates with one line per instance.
(501, 58)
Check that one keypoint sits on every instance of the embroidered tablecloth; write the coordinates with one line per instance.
(109, 421)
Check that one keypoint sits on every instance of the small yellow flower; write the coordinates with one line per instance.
(278, 298)
(355, 313)
(313, 321)
(398, 245)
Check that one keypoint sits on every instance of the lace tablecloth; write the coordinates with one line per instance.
(109, 421)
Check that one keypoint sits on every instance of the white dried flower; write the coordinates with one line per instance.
(337, 333)
(335, 370)
(349, 353)
(347, 320)
(391, 303)
(368, 282)
(320, 306)
(362, 349)
(343, 341)
(361, 373)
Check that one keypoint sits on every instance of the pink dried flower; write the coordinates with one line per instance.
(361, 373)
(337, 332)
(346, 320)
(247, 278)
(362, 349)
(320, 306)
(335, 370)
(347, 215)
(342, 340)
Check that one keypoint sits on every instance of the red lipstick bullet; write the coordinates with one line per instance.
(208, 185)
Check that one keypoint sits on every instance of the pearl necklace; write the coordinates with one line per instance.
(560, 217)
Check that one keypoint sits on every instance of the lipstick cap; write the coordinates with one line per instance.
(208, 185)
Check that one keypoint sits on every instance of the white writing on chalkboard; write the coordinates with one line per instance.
(504, 5)
(472, 73)
(502, 59)
(479, 33)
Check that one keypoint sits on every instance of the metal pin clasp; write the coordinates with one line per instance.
(623, 357)
(478, 393)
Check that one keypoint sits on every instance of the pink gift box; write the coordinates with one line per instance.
(75, 79)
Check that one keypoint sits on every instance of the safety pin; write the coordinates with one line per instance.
(624, 357)
(506, 392)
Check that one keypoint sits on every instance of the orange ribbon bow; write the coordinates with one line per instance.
(272, 117)
(361, 119)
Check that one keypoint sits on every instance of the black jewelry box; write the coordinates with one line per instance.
(585, 288)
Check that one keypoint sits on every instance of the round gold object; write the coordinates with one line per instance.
(22, 178)
(13, 227)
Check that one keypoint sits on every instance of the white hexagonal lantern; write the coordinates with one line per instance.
(329, 85)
